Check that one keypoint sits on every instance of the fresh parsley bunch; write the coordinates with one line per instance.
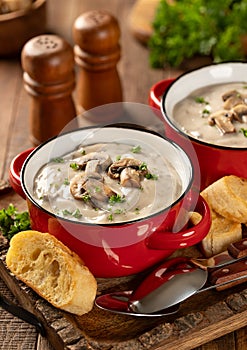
(185, 28)
(12, 222)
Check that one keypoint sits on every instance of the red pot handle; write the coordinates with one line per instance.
(171, 241)
(15, 169)
(157, 90)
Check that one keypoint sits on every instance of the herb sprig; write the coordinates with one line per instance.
(185, 28)
(12, 221)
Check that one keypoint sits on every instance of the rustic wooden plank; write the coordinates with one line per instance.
(241, 339)
(220, 343)
(213, 331)
(43, 344)
(9, 324)
(137, 78)
(10, 337)
(9, 84)
(20, 123)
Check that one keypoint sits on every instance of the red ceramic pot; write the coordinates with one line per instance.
(214, 161)
(15, 170)
(157, 91)
(114, 250)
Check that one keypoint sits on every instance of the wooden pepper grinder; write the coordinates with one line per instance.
(49, 78)
(97, 51)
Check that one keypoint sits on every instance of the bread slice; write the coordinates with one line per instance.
(222, 232)
(52, 270)
(228, 197)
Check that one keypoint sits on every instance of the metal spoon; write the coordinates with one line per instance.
(118, 302)
(172, 282)
(175, 290)
(164, 300)
(179, 278)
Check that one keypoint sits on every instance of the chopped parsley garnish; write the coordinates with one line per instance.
(150, 176)
(116, 198)
(77, 214)
(110, 217)
(137, 210)
(244, 131)
(199, 99)
(118, 211)
(74, 166)
(205, 111)
(86, 197)
(143, 166)
(66, 181)
(58, 160)
(136, 149)
(66, 212)
(12, 221)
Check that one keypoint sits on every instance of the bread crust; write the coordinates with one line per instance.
(52, 270)
(227, 200)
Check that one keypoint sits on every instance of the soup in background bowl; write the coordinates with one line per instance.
(145, 223)
(215, 114)
(219, 153)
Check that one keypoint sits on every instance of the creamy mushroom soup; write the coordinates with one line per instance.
(107, 183)
(215, 114)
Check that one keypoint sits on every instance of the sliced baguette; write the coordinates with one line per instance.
(228, 197)
(222, 232)
(52, 270)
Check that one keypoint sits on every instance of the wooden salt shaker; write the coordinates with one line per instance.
(97, 51)
(48, 64)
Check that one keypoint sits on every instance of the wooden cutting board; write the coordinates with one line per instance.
(201, 318)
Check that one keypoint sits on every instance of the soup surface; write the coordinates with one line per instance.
(107, 183)
(215, 114)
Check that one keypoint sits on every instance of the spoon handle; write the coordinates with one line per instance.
(228, 262)
(228, 274)
(224, 285)
(238, 249)
(174, 267)
(235, 252)
(227, 277)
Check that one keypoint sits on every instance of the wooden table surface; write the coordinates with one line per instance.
(136, 76)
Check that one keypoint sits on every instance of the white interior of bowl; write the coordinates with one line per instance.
(205, 76)
(68, 142)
